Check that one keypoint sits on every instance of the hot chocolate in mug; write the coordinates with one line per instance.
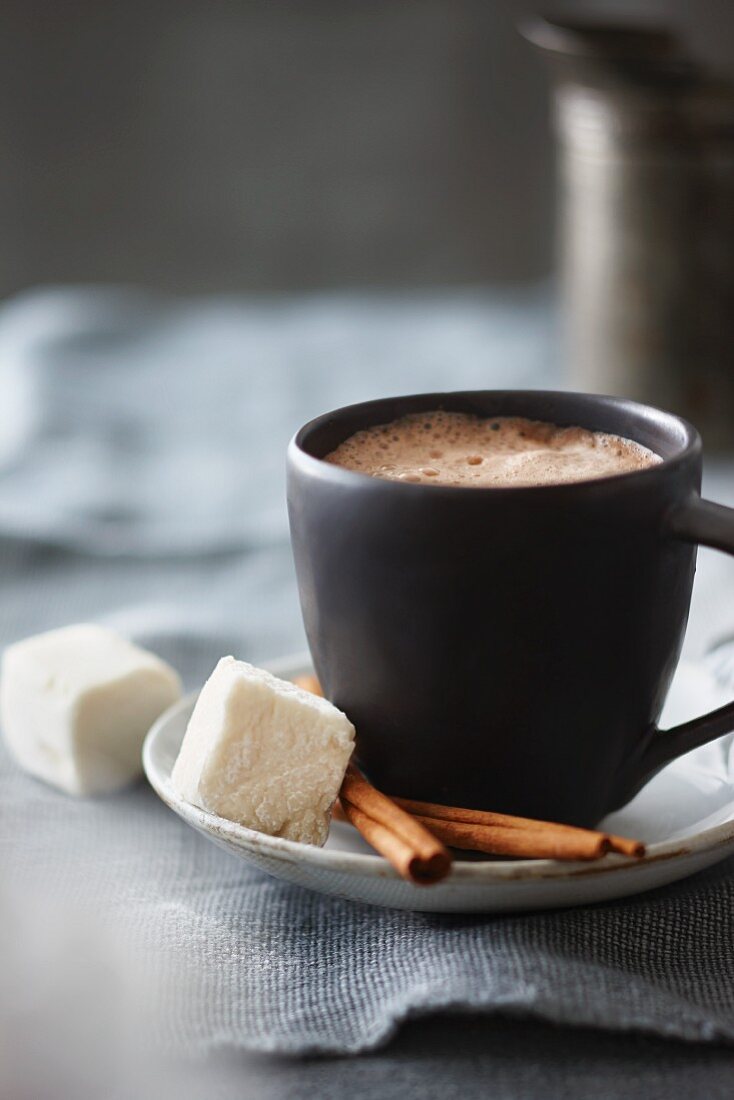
(506, 648)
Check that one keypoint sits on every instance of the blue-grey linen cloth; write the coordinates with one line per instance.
(141, 485)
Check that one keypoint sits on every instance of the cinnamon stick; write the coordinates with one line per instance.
(550, 842)
(626, 846)
(398, 852)
(410, 847)
(488, 819)
(309, 683)
(546, 842)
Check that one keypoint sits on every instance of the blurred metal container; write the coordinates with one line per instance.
(646, 151)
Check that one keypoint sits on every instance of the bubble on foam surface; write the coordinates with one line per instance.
(449, 448)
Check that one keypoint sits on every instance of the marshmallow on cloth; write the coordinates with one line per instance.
(76, 704)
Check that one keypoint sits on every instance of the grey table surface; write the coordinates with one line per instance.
(72, 558)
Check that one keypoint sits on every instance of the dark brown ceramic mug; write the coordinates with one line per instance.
(509, 649)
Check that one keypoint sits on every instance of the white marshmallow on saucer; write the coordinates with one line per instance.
(76, 703)
(265, 753)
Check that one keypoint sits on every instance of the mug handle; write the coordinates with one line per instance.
(710, 524)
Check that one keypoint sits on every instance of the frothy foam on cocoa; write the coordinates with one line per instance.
(449, 448)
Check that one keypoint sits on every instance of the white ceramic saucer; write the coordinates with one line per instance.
(685, 815)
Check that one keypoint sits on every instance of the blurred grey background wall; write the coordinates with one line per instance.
(283, 144)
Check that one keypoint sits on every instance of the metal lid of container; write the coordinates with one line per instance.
(602, 52)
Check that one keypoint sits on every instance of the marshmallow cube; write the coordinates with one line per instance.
(76, 703)
(265, 753)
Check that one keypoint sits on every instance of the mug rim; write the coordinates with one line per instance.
(689, 446)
